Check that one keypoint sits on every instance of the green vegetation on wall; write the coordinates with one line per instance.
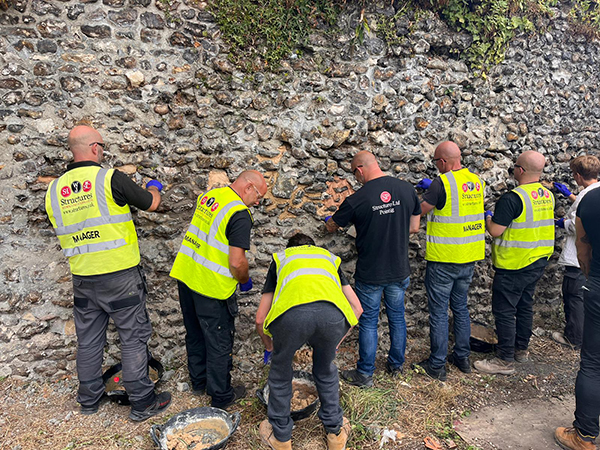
(585, 18)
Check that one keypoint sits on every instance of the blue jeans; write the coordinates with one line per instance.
(370, 299)
(448, 283)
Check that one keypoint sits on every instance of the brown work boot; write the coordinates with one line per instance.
(495, 365)
(569, 439)
(338, 441)
(522, 356)
(266, 435)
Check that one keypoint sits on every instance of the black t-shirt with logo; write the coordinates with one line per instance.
(381, 212)
(589, 213)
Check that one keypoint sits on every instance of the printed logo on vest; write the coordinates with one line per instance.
(534, 194)
(87, 186)
(76, 187)
(210, 201)
(469, 186)
(385, 196)
(541, 192)
(214, 207)
(478, 186)
(203, 201)
(546, 194)
(65, 191)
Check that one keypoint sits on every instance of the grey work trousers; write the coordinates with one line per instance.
(120, 296)
(322, 325)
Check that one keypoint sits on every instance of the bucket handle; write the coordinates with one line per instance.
(235, 420)
(155, 432)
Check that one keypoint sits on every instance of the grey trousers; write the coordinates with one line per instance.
(322, 325)
(120, 296)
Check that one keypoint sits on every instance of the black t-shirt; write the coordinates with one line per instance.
(238, 230)
(381, 212)
(508, 208)
(271, 281)
(436, 194)
(589, 213)
(124, 190)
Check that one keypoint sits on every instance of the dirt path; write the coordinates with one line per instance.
(46, 416)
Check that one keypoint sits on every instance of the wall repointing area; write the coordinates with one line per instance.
(172, 107)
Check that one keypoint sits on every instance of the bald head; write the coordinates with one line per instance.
(363, 158)
(84, 142)
(251, 186)
(365, 167)
(447, 157)
(532, 161)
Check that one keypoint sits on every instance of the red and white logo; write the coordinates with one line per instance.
(534, 194)
(385, 197)
(203, 201)
(87, 186)
(214, 207)
(65, 191)
(477, 186)
(546, 194)
(465, 188)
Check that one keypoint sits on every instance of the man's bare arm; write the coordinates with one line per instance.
(584, 249)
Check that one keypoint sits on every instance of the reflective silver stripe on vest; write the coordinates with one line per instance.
(305, 271)
(527, 205)
(532, 224)
(523, 244)
(455, 210)
(283, 260)
(91, 248)
(93, 222)
(54, 205)
(455, 240)
(459, 219)
(212, 266)
(207, 239)
(100, 193)
(453, 193)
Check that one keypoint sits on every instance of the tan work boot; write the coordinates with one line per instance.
(522, 356)
(338, 441)
(569, 439)
(265, 430)
(495, 365)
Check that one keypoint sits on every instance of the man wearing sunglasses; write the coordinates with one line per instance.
(210, 264)
(384, 211)
(455, 241)
(523, 230)
(89, 209)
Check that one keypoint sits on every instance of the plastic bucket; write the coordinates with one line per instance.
(160, 433)
(299, 375)
(112, 376)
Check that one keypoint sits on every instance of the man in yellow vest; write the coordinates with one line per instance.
(522, 226)
(455, 241)
(88, 207)
(211, 262)
(306, 299)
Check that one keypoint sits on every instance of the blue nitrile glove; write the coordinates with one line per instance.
(487, 214)
(157, 184)
(267, 357)
(560, 223)
(563, 189)
(424, 183)
(327, 218)
(245, 287)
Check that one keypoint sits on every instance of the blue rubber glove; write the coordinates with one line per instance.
(157, 184)
(487, 214)
(563, 189)
(424, 183)
(327, 218)
(267, 357)
(560, 223)
(245, 287)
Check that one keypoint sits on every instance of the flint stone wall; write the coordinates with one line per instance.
(173, 108)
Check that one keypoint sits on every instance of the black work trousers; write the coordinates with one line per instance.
(210, 330)
(322, 326)
(120, 296)
(587, 386)
(512, 306)
(572, 291)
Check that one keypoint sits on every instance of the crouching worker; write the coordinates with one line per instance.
(306, 299)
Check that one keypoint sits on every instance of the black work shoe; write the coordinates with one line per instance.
(355, 378)
(238, 392)
(436, 374)
(162, 402)
(88, 410)
(464, 365)
(393, 371)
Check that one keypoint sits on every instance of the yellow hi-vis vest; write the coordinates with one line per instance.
(202, 262)
(456, 233)
(307, 274)
(97, 235)
(530, 236)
